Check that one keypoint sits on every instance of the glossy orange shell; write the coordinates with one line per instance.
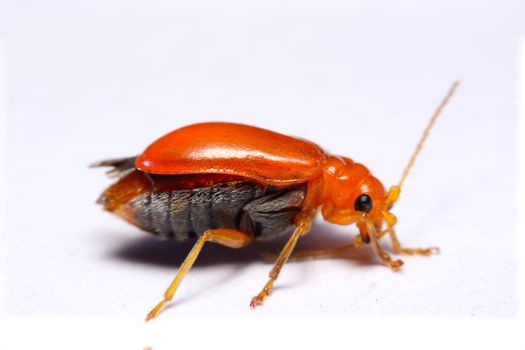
(236, 149)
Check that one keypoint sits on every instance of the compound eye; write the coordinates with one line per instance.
(363, 203)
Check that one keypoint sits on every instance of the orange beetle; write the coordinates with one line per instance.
(232, 183)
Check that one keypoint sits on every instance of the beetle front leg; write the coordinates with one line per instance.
(407, 251)
(374, 241)
(303, 226)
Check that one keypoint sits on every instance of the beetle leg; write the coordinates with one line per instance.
(303, 226)
(315, 254)
(226, 237)
(374, 240)
(407, 251)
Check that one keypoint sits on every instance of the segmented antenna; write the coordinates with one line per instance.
(419, 146)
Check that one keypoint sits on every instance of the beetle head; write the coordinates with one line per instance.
(352, 196)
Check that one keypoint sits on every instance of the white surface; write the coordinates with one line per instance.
(87, 83)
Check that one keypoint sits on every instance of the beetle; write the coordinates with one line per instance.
(232, 183)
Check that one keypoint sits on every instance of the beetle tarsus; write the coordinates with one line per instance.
(418, 251)
(396, 264)
(303, 226)
(407, 251)
(259, 298)
(154, 312)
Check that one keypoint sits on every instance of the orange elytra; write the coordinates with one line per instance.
(235, 149)
(232, 183)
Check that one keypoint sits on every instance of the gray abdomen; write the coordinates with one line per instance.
(244, 206)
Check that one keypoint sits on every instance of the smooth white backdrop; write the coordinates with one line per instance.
(85, 82)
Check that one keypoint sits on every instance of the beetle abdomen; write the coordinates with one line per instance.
(159, 205)
(188, 213)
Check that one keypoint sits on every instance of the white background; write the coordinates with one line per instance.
(86, 82)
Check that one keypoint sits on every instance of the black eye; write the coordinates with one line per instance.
(363, 203)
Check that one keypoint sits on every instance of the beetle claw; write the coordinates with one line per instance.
(256, 301)
(396, 264)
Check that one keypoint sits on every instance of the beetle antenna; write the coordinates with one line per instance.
(393, 193)
(426, 132)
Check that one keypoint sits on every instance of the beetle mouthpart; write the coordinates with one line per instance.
(365, 237)
(390, 218)
(393, 195)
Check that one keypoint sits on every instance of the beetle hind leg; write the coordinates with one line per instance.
(226, 237)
